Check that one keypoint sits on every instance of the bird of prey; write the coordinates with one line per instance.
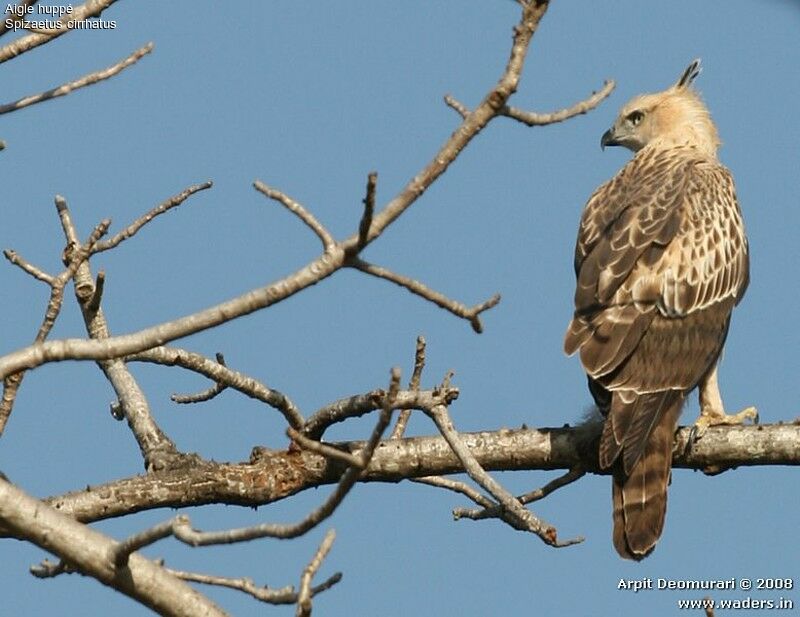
(661, 260)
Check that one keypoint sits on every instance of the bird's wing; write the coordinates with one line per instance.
(664, 238)
(629, 219)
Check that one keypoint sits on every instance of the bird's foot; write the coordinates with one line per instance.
(710, 416)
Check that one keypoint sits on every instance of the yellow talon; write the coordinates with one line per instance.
(714, 417)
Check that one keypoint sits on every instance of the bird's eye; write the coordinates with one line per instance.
(635, 117)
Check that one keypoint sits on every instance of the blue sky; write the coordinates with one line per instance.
(310, 97)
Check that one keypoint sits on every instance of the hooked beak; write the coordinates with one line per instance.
(608, 139)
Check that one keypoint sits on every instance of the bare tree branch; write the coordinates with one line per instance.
(471, 314)
(361, 404)
(300, 212)
(48, 569)
(457, 487)
(282, 595)
(82, 82)
(27, 267)
(88, 552)
(496, 511)
(490, 106)
(165, 206)
(537, 119)
(205, 395)
(525, 519)
(582, 107)
(136, 542)
(324, 449)
(91, 8)
(171, 356)
(185, 533)
(334, 256)
(78, 254)
(273, 475)
(413, 385)
(304, 597)
(157, 449)
(369, 210)
(4, 29)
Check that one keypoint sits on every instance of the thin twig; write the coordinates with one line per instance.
(76, 256)
(451, 101)
(369, 211)
(13, 257)
(471, 314)
(582, 107)
(457, 487)
(324, 449)
(48, 569)
(173, 356)
(496, 511)
(413, 385)
(576, 473)
(304, 597)
(82, 82)
(495, 99)
(205, 395)
(282, 595)
(165, 206)
(11, 386)
(539, 119)
(545, 531)
(299, 211)
(97, 293)
(361, 404)
(138, 541)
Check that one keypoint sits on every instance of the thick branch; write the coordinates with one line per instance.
(88, 551)
(273, 475)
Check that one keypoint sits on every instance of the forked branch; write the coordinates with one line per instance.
(335, 254)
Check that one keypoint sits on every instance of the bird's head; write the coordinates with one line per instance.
(674, 116)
